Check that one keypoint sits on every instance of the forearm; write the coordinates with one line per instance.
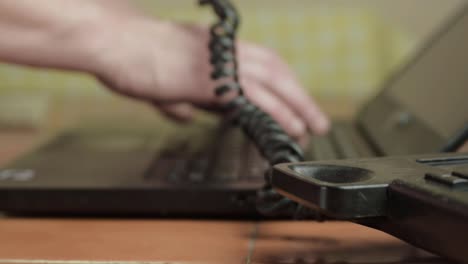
(160, 62)
(63, 34)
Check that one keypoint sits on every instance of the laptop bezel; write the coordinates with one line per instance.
(419, 137)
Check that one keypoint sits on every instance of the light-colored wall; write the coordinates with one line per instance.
(319, 38)
(418, 17)
(339, 48)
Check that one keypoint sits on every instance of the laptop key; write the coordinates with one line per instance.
(197, 172)
(350, 142)
(196, 177)
(321, 148)
(227, 163)
(255, 164)
(226, 170)
(178, 172)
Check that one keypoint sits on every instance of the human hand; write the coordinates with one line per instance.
(167, 65)
(163, 63)
(464, 147)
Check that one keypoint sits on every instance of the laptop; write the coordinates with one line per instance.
(211, 170)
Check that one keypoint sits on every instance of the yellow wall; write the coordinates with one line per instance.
(338, 49)
(335, 51)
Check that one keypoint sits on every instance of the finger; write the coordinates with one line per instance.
(271, 104)
(264, 66)
(181, 112)
(464, 147)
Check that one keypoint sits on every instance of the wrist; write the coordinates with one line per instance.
(84, 37)
(122, 40)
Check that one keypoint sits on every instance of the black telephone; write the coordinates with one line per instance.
(420, 199)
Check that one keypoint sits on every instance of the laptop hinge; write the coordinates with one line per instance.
(457, 141)
(368, 139)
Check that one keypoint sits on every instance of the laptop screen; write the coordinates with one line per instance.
(424, 105)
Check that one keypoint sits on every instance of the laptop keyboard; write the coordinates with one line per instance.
(343, 142)
(225, 155)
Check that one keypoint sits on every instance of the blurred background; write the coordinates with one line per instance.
(341, 50)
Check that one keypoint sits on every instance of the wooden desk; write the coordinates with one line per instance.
(206, 241)
(201, 241)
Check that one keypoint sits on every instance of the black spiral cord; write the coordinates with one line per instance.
(270, 139)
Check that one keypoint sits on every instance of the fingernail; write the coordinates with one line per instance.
(297, 128)
(321, 125)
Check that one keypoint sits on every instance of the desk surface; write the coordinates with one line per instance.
(206, 241)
